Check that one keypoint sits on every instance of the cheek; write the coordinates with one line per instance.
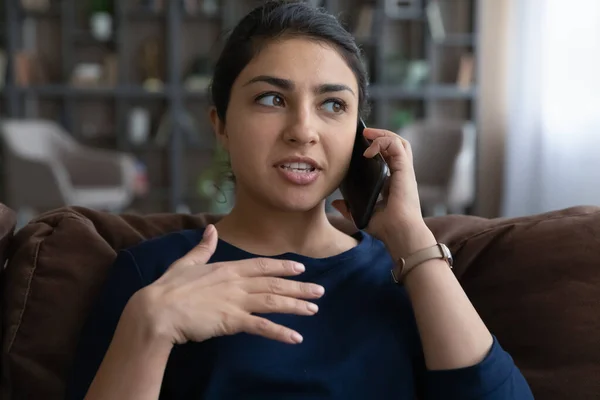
(341, 149)
(249, 147)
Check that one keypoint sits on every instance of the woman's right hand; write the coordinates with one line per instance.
(195, 301)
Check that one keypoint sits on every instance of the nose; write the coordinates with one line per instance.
(301, 131)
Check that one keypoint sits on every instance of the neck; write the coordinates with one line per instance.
(262, 230)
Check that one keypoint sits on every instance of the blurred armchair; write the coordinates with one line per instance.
(444, 154)
(45, 168)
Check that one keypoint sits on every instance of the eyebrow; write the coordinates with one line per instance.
(286, 84)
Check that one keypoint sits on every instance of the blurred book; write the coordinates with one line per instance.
(35, 5)
(364, 24)
(111, 70)
(466, 67)
(3, 62)
(28, 69)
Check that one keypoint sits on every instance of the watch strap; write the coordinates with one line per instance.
(404, 265)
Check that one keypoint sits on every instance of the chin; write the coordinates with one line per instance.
(295, 202)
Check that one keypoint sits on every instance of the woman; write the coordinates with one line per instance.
(273, 301)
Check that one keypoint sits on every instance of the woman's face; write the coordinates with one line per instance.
(291, 123)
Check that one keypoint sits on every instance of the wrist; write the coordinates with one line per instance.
(408, 239)
(143, 319)
(134, 364)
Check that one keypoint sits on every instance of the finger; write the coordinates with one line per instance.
(203, 251)
(284, 287)
(386, 145)
(392, 150)
(342, 208)
(373, 133)
(263, 266)
(263, 327)
(273, 303)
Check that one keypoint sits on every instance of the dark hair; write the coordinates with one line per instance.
(275, 19)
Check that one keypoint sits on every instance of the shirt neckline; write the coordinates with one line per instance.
(365, 241)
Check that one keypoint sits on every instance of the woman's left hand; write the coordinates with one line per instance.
(397, 217)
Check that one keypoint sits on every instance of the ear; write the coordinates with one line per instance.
(218, 126)
(340, 205)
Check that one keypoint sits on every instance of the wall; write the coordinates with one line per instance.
(494, 29)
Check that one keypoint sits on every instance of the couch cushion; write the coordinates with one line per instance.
(57, 266)
(8, 220)
(534, 281)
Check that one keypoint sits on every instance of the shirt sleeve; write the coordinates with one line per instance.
(123, 281)
(495, 378)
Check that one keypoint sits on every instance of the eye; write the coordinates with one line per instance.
(270, 100)
(334, 106)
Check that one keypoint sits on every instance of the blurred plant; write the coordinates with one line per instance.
(101, 20)
(401, 118)
(216, 184)
(101, 6)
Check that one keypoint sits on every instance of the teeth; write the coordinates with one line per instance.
(298, 166)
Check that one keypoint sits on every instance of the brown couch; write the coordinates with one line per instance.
(535, 282)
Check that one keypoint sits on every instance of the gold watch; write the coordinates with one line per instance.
(404, 265)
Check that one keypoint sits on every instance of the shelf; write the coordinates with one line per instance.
(139, 92)
(409, 16)
(195, 94)
(54, 11)
(145, 15)
(457, 40)
(200, 17)
(70, 91)
(133, 22)
(451, 92)
(85, 38)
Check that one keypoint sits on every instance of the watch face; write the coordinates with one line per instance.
(447, 253)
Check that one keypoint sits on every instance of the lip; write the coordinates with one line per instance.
(299, 178)
(298, 159)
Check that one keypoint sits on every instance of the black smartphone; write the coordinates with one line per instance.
(364, 181)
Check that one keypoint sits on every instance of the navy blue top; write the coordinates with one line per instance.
(362, 344)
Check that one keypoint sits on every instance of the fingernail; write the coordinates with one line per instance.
(296, 337)
(318, 290)
(299, 267)
(312, 307)
(208, 231)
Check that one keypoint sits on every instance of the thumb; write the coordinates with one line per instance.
(203, 251)
(342, 208)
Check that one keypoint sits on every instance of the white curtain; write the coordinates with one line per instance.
(553, 143)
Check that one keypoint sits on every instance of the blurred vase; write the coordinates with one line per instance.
(101, 26)
(138, 125)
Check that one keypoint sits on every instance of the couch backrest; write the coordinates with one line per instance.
(535, 281)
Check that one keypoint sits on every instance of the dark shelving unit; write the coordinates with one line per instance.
(174, 169)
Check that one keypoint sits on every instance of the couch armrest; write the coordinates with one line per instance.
(88, 167)
(36, 183)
